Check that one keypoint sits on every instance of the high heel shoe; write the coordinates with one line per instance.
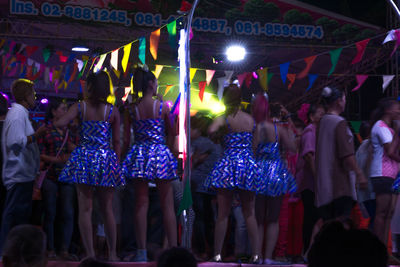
(255, 259)
(217, 258)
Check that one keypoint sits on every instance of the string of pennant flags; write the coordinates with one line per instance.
(17, 61)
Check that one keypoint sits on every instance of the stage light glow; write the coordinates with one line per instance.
(235, 53)
(80, 49)
(44, 101)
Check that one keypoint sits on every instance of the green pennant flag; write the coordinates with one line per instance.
(269, 77)
(142, 49)
(187, 200)
(356, 126)
(83, 69)
(171, 27)
(335, 54)
(46, 54)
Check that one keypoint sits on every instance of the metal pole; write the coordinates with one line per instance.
(186, 172)
(394, 6)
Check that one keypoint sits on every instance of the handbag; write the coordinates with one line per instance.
(43, 173)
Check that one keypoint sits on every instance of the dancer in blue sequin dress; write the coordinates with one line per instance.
(93, 164)
(275, 177)
(150, 159)
(236, 171)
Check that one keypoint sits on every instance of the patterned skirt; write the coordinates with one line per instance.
(276, 178)
(150, 162)
(95, 167)
(237, 169)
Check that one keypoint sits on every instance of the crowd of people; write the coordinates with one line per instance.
(93, 158)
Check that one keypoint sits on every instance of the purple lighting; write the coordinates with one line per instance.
(44, 101)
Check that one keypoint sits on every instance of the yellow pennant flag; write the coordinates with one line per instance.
(169, 86)
(158, 70)
(114, 59)
(85, 58)
(2, 41)
(117, 73)
(100, 63)
(154, 39)
(127, 52)
(132, 85)
(192, 73)
(262, 78)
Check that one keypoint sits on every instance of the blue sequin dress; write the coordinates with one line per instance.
(237, 169)
(150, 158)
(93, 162)
(276, 178)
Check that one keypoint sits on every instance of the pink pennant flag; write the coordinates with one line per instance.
(209, 76)
(360, 80)
(309, 61)
(30, 50)
(397, 38)
(61, 57)
(241, 77)
(202, 87)
(291, 78)
(360, 50)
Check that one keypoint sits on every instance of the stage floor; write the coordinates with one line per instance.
(153, 264)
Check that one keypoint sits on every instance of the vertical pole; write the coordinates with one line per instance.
(186, 238)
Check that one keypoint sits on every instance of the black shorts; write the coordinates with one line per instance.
(382, 185)
(339, 207)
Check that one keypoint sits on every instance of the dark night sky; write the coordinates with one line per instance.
(372, 11)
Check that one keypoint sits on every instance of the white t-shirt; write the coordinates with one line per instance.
(381, 164)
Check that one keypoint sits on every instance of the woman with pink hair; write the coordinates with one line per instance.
(275, 178)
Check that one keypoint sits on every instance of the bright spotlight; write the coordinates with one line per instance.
(44, 101)
(235, 53)
(80, 49)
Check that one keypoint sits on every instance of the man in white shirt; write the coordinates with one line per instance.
(20, 158)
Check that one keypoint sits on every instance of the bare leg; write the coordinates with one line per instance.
(389, 216)
(141, 207)
(167, 205)
(260, 208)
(85, 201)
(383, 206)
(224, 200)
(105, 200)
(248, 208)
(272, 231)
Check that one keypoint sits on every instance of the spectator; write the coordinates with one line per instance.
(176, 257)
(20, 157)
(25, 246)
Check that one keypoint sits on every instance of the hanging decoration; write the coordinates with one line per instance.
(284, 68)
(154, 39)
(311, 80)
(309, 62)
(125, 58)
(360, 80)
(386, 81)
(114, 59)
(263, 78)
(291, 77)
(335, 54)
(142, 50)
(361, 46)
(202, 87)
(158, 70)
(209, 76)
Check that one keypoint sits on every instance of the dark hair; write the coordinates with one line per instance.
(54, 104)
(313, 109)
(176, 257)
(200, 121)
(20, 89)
(92, 262)
(232, 98)
(3, 105)
(98, 85)
(330, 95)
(335, 246)
(275, 110)
(365, 129)
(25, 246)
(383, 105)
(141, 79)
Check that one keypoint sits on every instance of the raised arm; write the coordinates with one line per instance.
(71, 114)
